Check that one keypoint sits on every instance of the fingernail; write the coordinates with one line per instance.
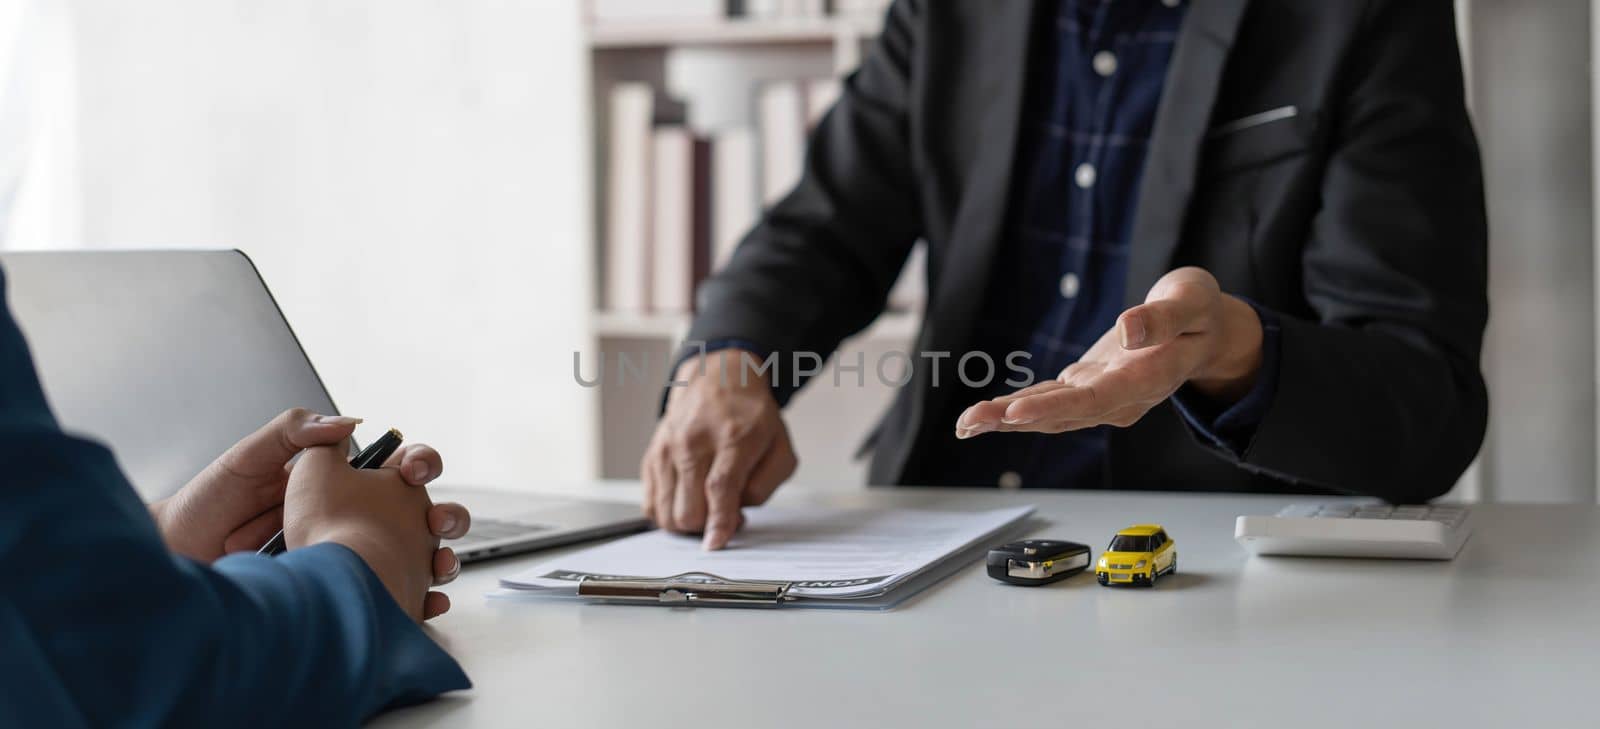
(419, 471)
(447, 524)
(1133, 333)
(1009, 419)
(705, 543)
(336, 420)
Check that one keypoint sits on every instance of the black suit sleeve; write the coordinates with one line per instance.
(1383, 396)
(819, 265)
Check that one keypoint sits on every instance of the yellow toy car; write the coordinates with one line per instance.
(1136, 556)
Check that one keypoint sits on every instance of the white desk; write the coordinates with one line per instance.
(1508, 634)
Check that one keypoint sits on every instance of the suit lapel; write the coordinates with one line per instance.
(975, 233)
(1180, 128)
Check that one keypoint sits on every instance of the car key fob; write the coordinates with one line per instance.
(1033, 562)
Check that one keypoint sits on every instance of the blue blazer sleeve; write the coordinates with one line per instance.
(101, 625)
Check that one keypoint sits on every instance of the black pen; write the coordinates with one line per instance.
(372, 456)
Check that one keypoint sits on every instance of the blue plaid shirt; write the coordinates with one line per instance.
(1059, 278)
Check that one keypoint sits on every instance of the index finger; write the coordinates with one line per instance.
(725, 484)
(273, 445)
(1074, 402)
(324, 457)
(1110, 391)
(986, 415)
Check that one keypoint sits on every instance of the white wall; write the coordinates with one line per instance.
(1531, 105)
(409, 175)
(38, 143)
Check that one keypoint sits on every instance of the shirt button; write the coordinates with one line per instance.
(1084, 175)
(1011, 480)
(1069, 286)
(1105, 63)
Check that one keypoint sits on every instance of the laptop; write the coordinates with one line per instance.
(144, 350)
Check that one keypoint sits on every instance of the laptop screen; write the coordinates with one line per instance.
(169, 357)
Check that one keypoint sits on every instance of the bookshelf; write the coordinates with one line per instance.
(731, 32)
(710, 72)
(895, 325)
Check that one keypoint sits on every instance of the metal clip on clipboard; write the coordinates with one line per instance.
(687, 589)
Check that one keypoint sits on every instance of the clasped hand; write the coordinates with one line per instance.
(250, 492)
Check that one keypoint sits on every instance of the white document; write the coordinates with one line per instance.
(824, 553)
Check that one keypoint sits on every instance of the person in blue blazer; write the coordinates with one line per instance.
(113, 612)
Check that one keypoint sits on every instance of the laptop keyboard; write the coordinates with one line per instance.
(488, 530)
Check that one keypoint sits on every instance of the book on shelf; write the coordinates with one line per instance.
(677, 202)
(778, 9)
(681, 223)
(754, 9)
(820, 95)
(911, 289)
(637, 12)
(604, 12)
(807, 8)
(627, 198)
(786, 112)
(781, 116)
(735, 203)
(860, 8)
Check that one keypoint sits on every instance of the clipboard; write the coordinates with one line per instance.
(707, 589)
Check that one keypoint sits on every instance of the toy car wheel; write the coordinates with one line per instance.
(1152, 581)
(1172, 569)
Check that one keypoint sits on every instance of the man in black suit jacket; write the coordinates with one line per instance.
(1311, 203)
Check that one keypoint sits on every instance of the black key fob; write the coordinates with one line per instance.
(1037, 561)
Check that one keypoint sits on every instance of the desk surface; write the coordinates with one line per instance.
(1505, 635)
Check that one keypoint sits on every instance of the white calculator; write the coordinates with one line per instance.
(1358, 530)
